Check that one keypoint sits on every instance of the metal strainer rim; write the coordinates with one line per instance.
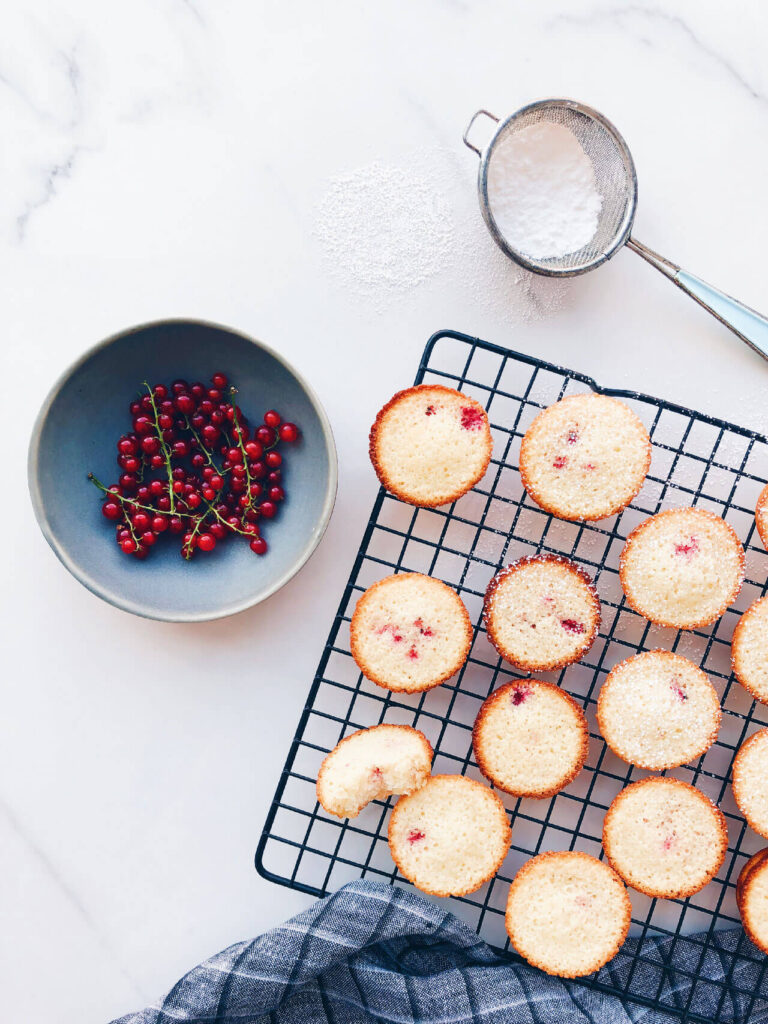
(520, 258)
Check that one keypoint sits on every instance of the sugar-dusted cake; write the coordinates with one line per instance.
(372, 764)
(761, 516)
(530, 738)
(410, 632)
(658, 710)
(450, 836)
(752, 899)
(682, 568)
(541, 613)
(585, 457)
(567, 913)
(664, 837)
(749, 650)
(430, 444)
(750, 774)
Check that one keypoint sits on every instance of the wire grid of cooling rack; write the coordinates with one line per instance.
(697, 460)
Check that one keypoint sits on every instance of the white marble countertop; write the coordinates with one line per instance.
(176, 157)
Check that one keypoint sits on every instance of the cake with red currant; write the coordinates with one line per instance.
(430, 444)
(658, 710)
(567, 913)
(682, 568)
(750, 771)
(530, 738)
(752, 899)
(585, 457)
(665, 838)
(450, 836)
(761, 516)
(749, 650)
(541, 613)
(372, 764)
(410, 632)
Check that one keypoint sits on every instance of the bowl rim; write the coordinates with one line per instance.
(115, 599)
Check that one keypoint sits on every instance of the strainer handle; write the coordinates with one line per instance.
(467, 130)
(745, 322)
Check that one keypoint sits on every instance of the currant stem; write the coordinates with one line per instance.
(164, 446)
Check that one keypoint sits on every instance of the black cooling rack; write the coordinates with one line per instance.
(697, 460)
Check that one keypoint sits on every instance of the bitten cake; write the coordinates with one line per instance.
(410, 632)
(450, 836)
(370, 765)
(664, 837)
(430, 444)
(761, 516)
(749, 650)
(682, 568)
(530, 738)
(567, 913)
(658, 710)
(750, 771)
(752, 899)
(585, 457)
(541, 613)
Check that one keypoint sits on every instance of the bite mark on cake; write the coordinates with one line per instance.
(471, 418)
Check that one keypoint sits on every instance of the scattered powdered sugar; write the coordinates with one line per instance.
(541, 191)
(385, 227)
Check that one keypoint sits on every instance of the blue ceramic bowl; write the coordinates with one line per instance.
(76, 433)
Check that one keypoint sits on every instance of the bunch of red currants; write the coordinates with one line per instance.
(193, 466)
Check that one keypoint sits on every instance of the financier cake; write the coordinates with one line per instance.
(530, 738)
(752, 899)
(750, 772)
(682, 568)
(664, 837)
(410, 632)
(370, 765)
(658, 710)
(585, 457)
(567, 913)
(761, 516)
(450, 836)
(541, 613)
(430, 444)
(749, 650)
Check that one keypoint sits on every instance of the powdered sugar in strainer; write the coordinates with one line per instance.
(615, 180)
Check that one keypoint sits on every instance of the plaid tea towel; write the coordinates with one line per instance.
(377, 953)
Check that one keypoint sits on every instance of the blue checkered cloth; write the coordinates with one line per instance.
(374, 952)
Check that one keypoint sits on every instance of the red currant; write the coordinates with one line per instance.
(268, 509)
(289, 432)
(266, 436)
(259, 546)
(111, 510)
(272, 418)
(219, 380)
(206, 542)
(273, 459)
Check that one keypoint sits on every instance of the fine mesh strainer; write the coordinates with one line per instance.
(616, 182)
